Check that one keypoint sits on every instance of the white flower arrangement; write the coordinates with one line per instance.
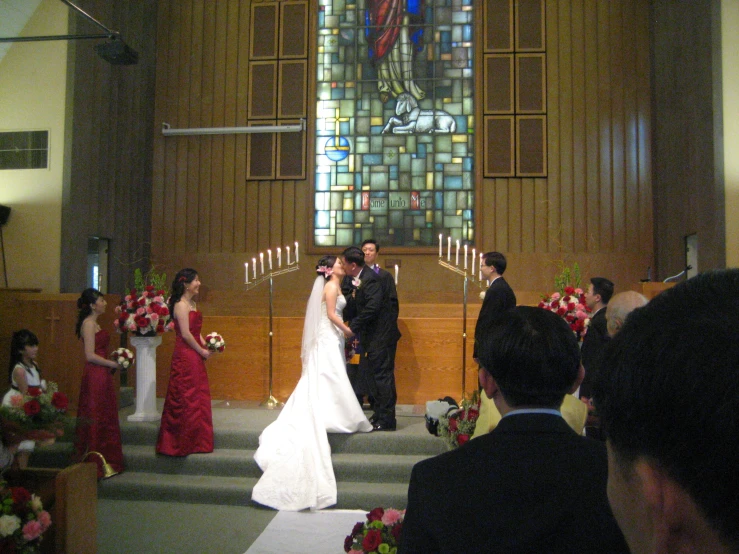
(214, 342)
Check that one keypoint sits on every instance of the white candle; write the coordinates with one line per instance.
(261, 261)
(396, 274)
(440, 245)
(449, 249)
(472, 269)
(254, 268)
(480, 268)
(456, 262)
(465, 256)
(297, 253)
(287, 249)
(279, 257)
(246, 269)
(269, 258)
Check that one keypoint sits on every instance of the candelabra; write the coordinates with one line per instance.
(465, 290)
(271, 402)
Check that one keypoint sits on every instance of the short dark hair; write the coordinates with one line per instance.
(668, 390)
(532, 354)
(497, 260)
(604, 287)
(371, 241)
(353, 255)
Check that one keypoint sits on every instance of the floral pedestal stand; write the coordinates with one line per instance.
(146, 378)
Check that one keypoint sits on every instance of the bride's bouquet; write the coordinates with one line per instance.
(214, 342)
(380, 533)
(123, 356)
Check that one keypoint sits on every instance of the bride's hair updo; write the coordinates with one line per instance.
(325, 266)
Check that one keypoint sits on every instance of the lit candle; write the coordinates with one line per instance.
(465, 256)
(480, 267)
(261, 261)
(254, 268)
(297, 253)
(246, 268)
(472, 269)
(269, 258)
(396, 275)
(449, 249)
(287, 249)
(456, 258)
(279, 257)
(440, 245)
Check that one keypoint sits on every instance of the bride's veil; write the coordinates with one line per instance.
(312, 317)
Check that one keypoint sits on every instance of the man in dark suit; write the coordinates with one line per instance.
(531, 485)
(499, 296)
(597, 297)
(377, 328)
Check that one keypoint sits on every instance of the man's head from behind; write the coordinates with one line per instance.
(620, 306)
(668, 397)
(529, 357)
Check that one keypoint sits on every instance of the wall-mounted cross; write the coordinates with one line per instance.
(53, 318)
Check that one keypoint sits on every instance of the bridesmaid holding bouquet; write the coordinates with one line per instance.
(187, 421)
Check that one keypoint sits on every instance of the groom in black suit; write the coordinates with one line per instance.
(532, 484)
(498, 298)
(378, 334)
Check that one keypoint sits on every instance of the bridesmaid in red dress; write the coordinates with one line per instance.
(187, 421)
(98, 428)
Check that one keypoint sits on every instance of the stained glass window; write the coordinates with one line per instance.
(395, 126)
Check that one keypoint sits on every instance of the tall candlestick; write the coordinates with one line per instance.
(246, 269)
(440, 245)
(449, 249)
(269, 258)
(472, 269)
(396, 274)
(254, 268)
(297, 253)
(456, 262)
(465, 256)
(480, 268)
(261, 261)
(279, 257)
(287, 249)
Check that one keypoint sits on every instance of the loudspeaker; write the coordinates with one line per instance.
(117, 52)
(4, 214)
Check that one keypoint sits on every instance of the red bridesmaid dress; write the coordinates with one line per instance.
(97, 427)
(187, 420)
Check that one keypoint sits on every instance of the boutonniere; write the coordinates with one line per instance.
(356, 282)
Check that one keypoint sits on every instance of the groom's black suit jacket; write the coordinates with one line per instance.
(498, 298)
(532, 485)
(376, 320)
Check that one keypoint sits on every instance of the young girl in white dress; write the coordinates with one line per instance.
(24, 375)
(294, 452)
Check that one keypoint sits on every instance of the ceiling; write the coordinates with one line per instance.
(14, 14)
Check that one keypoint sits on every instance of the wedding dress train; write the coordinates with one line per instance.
(294, 452)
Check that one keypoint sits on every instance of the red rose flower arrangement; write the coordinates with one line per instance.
(458, 426)
(380, 533)
(570, 306)
(23, 520)
(144, 310)
(37, 415)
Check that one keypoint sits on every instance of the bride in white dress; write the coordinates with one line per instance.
(294, 452)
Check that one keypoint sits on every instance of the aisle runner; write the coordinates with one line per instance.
(300, 532)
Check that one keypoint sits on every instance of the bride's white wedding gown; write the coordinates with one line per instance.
(294, 452)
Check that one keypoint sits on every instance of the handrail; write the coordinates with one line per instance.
(167, 131)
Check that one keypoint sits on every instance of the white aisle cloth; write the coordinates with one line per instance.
(294, 452)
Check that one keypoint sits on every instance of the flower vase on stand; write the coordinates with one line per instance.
(146, 378)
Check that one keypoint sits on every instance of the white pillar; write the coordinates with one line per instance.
(146, 378)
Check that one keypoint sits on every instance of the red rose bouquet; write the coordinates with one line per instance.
(37, 415)
(458, 426)
(144, 310)
(214, 342)
(123, 356)
(23, 520)
(380, 533)
(570, 306)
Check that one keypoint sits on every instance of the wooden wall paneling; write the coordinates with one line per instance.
(531, 26)
(530, 83)
(579, 136)
(252, 215)
(498, 83)
(264, 214)
(566, 128)
(264, 30)
(531, 132)
(286, 232)
(196, 38)
(498, 21)
(263, 90)
(605, 126)
(553, 219)
(272, 238)
(619, 122)
(540, 213)
(303, 212)
(501, 215)
(239, 204)
(293, 29)
(499, 156)
(591, 224)
(291, 159)
(515, 215)
(293, 82)
(528, 215)
(172, 117)
(631, 144)
(261, 153)
(242, 96)
(644, 136)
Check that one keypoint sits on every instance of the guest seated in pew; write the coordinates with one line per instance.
(532, 484)
(673, 454)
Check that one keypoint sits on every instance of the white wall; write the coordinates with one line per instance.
(730, 70)
(32, 97)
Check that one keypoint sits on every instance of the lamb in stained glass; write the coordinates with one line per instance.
(410, 119)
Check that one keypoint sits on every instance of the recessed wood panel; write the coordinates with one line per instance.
(294, 30)
(293, 77)
(499, 140)
(499, 83)
(531, 135)
(531, 94)
(530, 25)
(261, 154)
(498, 25)
(264, 30)
(291, 154)
(263, 90)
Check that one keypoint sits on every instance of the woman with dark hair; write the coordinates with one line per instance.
(98, 429)
(24, 376)
(187, 420)
(294, 452)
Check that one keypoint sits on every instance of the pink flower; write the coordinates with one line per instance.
(578, 291)
(141, 311)
(16, 401)
(581, 314)
(170, 325)
(128, 298)
(391, 516)
(44, 519)
(555, 296)
(154, 318)
(32, 530)
(132, 326)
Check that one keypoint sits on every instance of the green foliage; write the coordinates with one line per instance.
(151, 277)
(568, 277)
